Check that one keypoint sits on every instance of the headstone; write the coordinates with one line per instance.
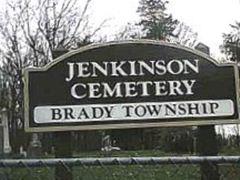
(1, 140)
(35, 146)
(6, 143)
(106, 143)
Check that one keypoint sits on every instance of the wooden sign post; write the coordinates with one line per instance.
(63, 142)
(207, 140)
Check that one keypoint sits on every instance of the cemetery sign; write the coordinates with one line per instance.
(130, 84)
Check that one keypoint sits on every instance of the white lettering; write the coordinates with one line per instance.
(83, 69)
(74, 91)
(71, 72)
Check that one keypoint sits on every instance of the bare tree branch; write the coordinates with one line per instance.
(29, 32)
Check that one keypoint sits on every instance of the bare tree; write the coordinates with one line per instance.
(184, 35)
(29, 32)
(130, 31)
(235, 130)
(231, 43)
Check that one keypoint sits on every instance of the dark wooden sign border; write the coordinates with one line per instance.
(123, 125)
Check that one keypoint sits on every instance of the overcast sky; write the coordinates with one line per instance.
(209, 18)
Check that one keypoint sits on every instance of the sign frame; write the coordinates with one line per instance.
(130, 124)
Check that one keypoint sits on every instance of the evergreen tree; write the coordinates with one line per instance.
(156, 23)
(231, 43)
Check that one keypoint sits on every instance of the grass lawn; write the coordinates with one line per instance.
(123, 172)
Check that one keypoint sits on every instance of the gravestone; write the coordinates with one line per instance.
(6, 141)
(1, 140)
(35, 146)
